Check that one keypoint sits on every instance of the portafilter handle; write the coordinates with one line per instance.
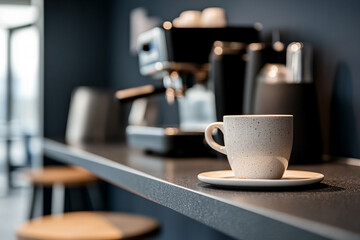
(131, 94)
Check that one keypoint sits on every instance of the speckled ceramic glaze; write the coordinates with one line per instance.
(257, 146)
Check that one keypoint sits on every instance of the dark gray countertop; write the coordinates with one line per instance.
(329, 210)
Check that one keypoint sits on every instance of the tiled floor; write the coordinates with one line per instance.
(13, 211)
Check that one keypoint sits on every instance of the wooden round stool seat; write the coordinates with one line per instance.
(66, 175)
(87, 225)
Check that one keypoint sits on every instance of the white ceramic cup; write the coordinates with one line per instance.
(257, 146)
(213, 17)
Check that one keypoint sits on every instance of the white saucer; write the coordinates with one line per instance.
(290, 178)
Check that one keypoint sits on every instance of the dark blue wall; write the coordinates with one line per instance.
(331, 26)
(76, 38)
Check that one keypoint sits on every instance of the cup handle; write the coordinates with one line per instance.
(209, 137)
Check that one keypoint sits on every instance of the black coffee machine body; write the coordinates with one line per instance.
(227, 74)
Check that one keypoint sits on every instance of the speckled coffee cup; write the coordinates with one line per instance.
(257, 146)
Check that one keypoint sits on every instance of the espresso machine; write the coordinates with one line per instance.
(203, 70)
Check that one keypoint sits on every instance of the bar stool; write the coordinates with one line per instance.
(92, 119)
(59, 178)
(91, 113)
(87, 225)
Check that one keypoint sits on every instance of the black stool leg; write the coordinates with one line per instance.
(67, 202)
(95, 197)
(87, 204)
(47, 200)
(35, 190)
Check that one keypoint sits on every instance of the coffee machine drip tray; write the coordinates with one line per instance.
(168, 141)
